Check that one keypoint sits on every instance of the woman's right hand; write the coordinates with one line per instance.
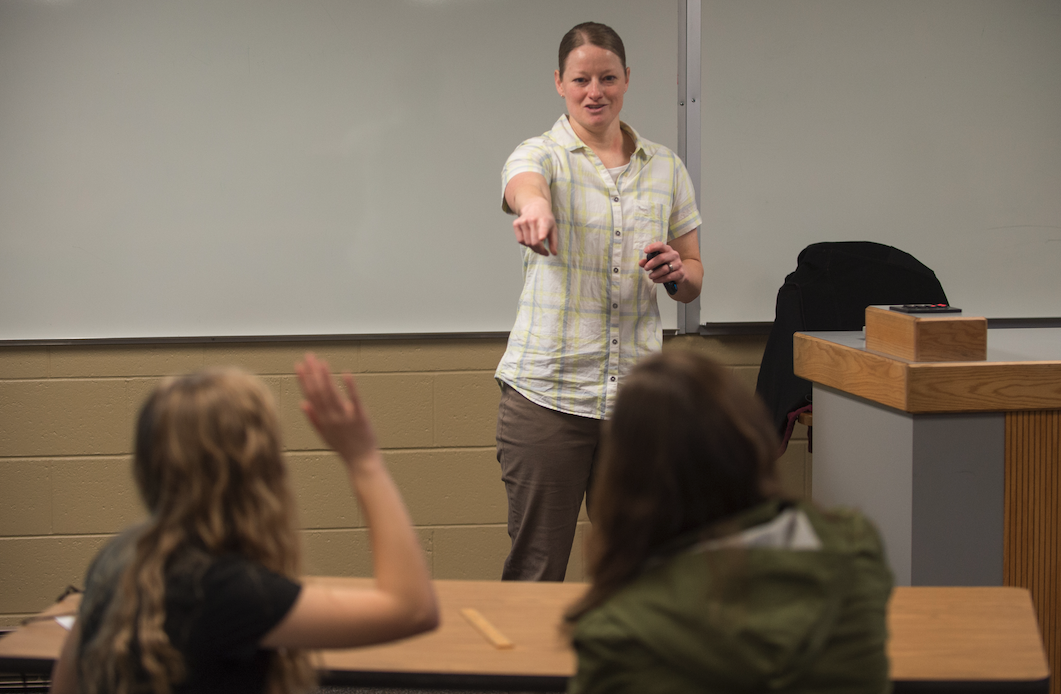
(340, 419)
(536, 226)
(528, 195)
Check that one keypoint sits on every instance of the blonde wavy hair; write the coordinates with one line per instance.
(208, 465)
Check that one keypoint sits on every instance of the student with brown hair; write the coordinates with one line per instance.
(205, 595)
(704, 578)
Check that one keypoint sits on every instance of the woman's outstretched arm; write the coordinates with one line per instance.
(528, 195)
(403, 600)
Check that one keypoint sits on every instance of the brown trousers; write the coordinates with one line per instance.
(547, 460)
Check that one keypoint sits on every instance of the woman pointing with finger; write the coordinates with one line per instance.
(591, 199)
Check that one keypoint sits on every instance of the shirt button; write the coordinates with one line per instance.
(613, 379)
(615, 269)
(615, 305)
(618, 233)
(615, 199)
(615, 342)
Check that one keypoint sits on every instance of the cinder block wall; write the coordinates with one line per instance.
(66, 423)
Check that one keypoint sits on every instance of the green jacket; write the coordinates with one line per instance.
(748, 618)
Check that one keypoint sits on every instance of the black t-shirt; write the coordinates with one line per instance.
(217, 610)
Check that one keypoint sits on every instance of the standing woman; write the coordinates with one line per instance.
(592, 198)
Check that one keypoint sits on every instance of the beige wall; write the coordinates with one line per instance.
(66, 417)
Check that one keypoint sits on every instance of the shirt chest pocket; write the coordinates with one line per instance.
(649, 223)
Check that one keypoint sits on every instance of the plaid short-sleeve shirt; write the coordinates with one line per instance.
(587, 315)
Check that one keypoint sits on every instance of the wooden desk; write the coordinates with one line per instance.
(456, 655)
(955, 636)
(946, 637)
(958, 462)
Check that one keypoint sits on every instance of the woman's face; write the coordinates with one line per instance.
(593, 85)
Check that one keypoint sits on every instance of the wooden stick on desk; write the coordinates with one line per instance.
(487, 629)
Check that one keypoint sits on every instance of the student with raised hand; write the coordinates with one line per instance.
(205, 595)
(703, 578)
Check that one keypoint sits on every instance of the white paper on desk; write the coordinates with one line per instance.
(66, 621)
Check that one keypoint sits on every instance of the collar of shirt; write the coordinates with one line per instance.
(565, 136)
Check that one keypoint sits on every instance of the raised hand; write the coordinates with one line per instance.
(339, 418)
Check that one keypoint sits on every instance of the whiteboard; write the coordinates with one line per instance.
(929, 125)
(183, 168)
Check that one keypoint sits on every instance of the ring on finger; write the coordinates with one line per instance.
(670, 267)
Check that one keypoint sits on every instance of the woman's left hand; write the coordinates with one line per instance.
(665, 267)
(678, 262)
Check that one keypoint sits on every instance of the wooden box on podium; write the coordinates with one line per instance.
(926, 337)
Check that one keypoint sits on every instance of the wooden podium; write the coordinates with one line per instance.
(958, 462)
